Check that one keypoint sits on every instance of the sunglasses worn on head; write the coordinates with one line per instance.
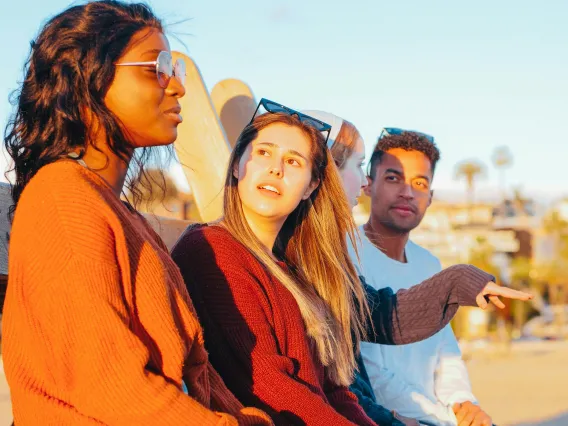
(274, 108)
(387, 131)
(165, 70)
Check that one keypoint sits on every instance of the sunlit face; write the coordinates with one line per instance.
(149, 113)
(400, 192)
(275, 173)
(352, 175)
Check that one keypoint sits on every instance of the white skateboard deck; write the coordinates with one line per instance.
(235, 104)
(202, 146)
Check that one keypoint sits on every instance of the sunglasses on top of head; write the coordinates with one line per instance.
(388, 131)
(275, 108)
(165, 68)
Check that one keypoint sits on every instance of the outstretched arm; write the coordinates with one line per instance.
(414, 314)
(421, 311)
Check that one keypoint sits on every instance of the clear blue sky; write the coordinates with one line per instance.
(475, 75)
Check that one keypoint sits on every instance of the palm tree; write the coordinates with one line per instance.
(502, 159)
(470, 170)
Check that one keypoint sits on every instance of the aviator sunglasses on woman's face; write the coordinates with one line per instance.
(165, 70)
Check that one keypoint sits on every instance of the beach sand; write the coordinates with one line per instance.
(526, 386)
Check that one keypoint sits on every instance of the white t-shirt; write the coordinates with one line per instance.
(421, 380)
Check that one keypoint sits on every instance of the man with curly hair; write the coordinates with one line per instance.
(428, 380)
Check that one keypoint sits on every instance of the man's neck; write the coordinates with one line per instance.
(390, 242)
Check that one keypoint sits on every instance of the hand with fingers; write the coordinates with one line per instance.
(469, 414)
(491, 293)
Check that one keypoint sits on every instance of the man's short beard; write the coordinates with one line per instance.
(389, 224)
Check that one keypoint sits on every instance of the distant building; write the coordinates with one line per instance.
(451, 231)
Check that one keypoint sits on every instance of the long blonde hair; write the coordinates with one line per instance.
(313, 244)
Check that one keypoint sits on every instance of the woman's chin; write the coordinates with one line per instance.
(268, 212)
(169, 137)
(166, 139)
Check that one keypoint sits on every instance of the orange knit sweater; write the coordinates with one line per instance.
(98, 326)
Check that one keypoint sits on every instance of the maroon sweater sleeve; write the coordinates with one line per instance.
(231, 299)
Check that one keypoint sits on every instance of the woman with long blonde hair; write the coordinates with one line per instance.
(281, 303)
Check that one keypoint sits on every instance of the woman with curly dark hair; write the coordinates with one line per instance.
(98, 325)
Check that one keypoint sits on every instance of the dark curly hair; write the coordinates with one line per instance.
(409, 141)
(69, 71)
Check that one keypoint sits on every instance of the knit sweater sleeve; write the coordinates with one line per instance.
(230, 295)
(414, 314)
(73, 295)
